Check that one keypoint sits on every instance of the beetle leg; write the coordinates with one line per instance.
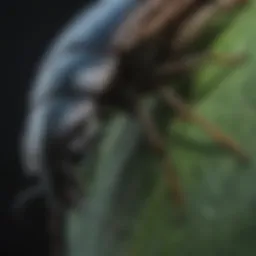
(157, 144)
(195, 60)
(169, 12)
(148, 20)
(193, 27)
(174, 101)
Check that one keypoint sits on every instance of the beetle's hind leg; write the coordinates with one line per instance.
(195, 25)
(175, 102)
(194, 61)
(148, 21)
(157, 144)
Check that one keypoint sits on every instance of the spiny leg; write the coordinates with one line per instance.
(195, 25)
(157, 144)
(193, 61)
(175, 102)
(148, 20)
(129, 32)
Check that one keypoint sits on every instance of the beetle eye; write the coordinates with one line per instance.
(96, 78)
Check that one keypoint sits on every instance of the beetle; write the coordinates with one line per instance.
(108, 56)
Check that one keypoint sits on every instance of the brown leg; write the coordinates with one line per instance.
(148, 20)
(174, 101)
(195, 60)
(193, 27)
(129, 32)
(154, 137)
(169, 12)
(157, 144)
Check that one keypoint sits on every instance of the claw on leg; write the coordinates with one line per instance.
(174, 101)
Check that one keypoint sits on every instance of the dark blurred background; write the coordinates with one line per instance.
(27, 27)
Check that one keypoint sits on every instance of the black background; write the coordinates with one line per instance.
(27, 27)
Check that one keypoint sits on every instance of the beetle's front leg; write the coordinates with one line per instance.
(175, 102)
(148, 20)
(195, 25)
